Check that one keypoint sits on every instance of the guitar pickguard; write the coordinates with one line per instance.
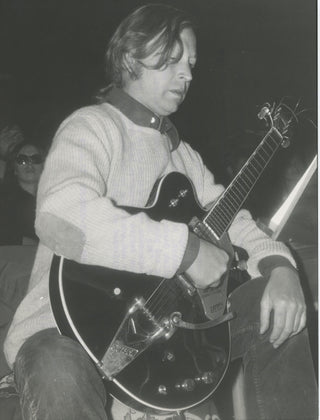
(137, 332)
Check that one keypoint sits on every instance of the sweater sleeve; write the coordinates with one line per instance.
(245, 233)
(77, 218)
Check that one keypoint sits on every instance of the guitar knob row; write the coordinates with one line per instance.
(175, 201)
(162, 389)
(188, 385)
(205, 378)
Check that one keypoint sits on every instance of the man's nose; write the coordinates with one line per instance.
(185, 72)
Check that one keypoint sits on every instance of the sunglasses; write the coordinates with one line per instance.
(31, 159)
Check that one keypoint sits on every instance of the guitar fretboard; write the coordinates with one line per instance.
(225, 209)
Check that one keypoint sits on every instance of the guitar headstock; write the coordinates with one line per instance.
(281, 117)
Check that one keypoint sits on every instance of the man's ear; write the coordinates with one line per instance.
(129, 63)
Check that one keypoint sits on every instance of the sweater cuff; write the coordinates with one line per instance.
(190, 254)
(267, 264)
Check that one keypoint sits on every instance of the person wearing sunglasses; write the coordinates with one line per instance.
(19, 202)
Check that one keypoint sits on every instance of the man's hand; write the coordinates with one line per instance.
(283, 295)
(210, 264)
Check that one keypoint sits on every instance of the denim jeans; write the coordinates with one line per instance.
(280, 384)
(56, 379)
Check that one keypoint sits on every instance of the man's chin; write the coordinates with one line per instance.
(171, 108)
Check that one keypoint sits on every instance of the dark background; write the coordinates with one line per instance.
(250, 52)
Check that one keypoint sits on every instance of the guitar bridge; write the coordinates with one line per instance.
(138, 330)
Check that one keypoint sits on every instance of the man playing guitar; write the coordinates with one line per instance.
(110, 155)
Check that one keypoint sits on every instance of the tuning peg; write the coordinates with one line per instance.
(285, 142)
(264, 112)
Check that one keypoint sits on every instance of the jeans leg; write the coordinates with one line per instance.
(280, 383)
(57, 380)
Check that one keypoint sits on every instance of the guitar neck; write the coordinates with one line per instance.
(221, 215)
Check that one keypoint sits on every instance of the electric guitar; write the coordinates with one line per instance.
(162, 343)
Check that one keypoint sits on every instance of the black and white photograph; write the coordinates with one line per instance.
(159, 210)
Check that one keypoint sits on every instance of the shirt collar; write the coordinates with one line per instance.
(141, 115)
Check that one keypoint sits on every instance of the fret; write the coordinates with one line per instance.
(226, 209)
(251, 169)
(259, 154)
(274, 140)
(245, 181)
(233, 208)
(217, 223)
(239, 186)
(256, 156)
(262, 150)
(251, 177)
(220, 217)
(239, 199)
(236, 198)
(267, 145)
(255, 166)
(218, 229)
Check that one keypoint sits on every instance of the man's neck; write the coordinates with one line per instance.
(134, 93)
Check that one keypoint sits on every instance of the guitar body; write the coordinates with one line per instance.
(125, 320)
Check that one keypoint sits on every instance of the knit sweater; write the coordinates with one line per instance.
(100, 160)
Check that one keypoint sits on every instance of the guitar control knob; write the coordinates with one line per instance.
(182, 193)
(174, 202)
(207, 377)
(168, 356)
(186, 385)
(162, 389)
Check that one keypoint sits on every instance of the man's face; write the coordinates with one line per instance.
(163, 90)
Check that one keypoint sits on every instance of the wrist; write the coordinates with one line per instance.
(190, 254)
(273, 262)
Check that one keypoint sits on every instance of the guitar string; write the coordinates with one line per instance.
(163, 296)
(153, 300)
(163, 301)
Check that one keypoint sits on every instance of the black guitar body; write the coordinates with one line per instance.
(146, 358)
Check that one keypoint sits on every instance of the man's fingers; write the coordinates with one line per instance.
(300, 322)
(264, 316)
(294, 322)
(279, 323)
(284, 297)
(286, 330)
(303, 321)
